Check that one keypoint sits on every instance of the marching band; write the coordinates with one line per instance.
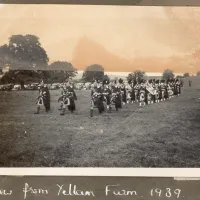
(114, 93)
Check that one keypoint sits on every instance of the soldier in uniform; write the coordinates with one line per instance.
(190, 83)
(63, 93)
(117, 90)
(136, 90)
(142, 93)
(97, 89)
(132, 92)
(70, 89)
(177, 87)
(156, 86)
(107, 93)
(178, 82)
(68, 97)
(123, 91)
(43, 98)
(162, 90)
(48, 98)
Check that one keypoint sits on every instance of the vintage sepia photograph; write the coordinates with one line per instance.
(99, 86)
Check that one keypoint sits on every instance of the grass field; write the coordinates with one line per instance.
(166, 134)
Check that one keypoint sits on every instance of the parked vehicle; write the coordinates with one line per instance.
(17, 87)
(54, 86)
(6, 87)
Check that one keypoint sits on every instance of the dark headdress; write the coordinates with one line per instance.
(120, 80)
(106, 82)
(130, 81)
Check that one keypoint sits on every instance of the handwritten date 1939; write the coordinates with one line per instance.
(167, 192)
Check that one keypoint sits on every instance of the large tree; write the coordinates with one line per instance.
(137, 75)
(186, 75)
(27, 53)
(93, 72)
(168, 74)
(59, 71)
(25, 57)
(5, 56)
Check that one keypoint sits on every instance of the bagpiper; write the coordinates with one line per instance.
(97, 88)
(97, 93)
(43, 98)
(177, 87)
(116, 95)
(136, 91)
(149, 99)
(162, 90)
(123, 91)
(142, 93)
(107, 93)
(63, 96)
(131, 93)
(156, 87)
(68, 97)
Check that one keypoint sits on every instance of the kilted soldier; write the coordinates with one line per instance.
(169, 88)
(156, 86)
(63, 94)
(97, 88)
(136, 90)
(178, 83)
(148, 96)
(43, 98)
(107, 93)
(162, 90)
(116, 87)
(123, 91)
(175, 88)
(116, 90)
(166, 90)
(142, 94)
(68, 98)
(172, 85)
(132, 83)
(73, 98)
(98, 91)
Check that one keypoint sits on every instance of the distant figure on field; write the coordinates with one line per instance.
(190, 83)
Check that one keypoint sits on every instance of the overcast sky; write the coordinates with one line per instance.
(124, 31)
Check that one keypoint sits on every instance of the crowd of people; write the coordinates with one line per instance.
(143, 91)
(112, 94)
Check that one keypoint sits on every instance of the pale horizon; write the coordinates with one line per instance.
(128, 38)
(124, 74)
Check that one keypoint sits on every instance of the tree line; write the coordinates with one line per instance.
(28, 61)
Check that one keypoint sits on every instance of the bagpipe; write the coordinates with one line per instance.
(41, 97)
(40, 100)
(114, 97)
(95, 98)
(65, 98)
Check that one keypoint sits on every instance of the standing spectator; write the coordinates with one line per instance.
(190, 83)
